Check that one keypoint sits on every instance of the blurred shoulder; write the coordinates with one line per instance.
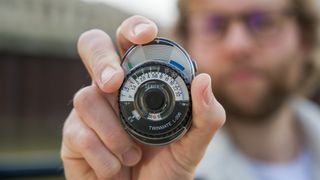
(222, 160)
(308, 112)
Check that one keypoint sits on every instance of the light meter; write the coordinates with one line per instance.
(154, 100)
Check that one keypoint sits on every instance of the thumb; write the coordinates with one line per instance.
(207, 117)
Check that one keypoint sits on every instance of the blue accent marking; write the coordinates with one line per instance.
(176, 64)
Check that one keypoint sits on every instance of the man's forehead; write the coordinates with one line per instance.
(234, 6)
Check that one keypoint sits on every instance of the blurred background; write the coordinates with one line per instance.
(40, 71)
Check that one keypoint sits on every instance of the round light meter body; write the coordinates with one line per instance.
(154, 99)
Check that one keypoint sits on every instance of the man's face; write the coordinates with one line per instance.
(251, 48)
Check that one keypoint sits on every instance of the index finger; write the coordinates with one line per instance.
(100, 58)
(99, 55)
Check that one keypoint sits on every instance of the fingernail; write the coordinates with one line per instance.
(107, 74)
(140, 28)
(131, 156)
(208, 94)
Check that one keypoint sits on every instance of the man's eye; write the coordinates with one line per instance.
(216, 24)
(262, 23)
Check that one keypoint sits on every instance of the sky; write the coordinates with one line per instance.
(163, 11)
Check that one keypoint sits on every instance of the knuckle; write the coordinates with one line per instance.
(109, 169)
(102, 56)
(222, 114)
(68, 132)
(84, 97)
(117, 141)
(94, 44)
(86, 139)
(86, 37)
(214, 117)
(114, 136)
(100, 45)
(219, 116)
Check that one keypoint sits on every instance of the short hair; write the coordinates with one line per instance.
(305, 12)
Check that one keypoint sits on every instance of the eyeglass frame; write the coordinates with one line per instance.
(243, 18)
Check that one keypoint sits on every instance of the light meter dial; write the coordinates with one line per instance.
(154, 99)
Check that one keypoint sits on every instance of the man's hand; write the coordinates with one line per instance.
(95, 146)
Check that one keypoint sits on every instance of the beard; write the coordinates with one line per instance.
(271, 101)
(266, 103)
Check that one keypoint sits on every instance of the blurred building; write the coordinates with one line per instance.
(52, 26)
(40, 71)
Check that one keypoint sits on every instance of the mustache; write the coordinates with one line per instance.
(246, 67)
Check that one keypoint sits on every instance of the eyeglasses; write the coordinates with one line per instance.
(260, 25)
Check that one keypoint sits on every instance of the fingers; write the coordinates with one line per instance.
(99, 116)
(101, 60)
(84, 155)
(135, 30)
(98, 54)
(208, 115)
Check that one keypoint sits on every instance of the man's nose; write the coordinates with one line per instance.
(238, 40)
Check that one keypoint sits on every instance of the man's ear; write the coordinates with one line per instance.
(307, 45)
(307, 48)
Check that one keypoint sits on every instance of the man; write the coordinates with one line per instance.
(257, 53)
